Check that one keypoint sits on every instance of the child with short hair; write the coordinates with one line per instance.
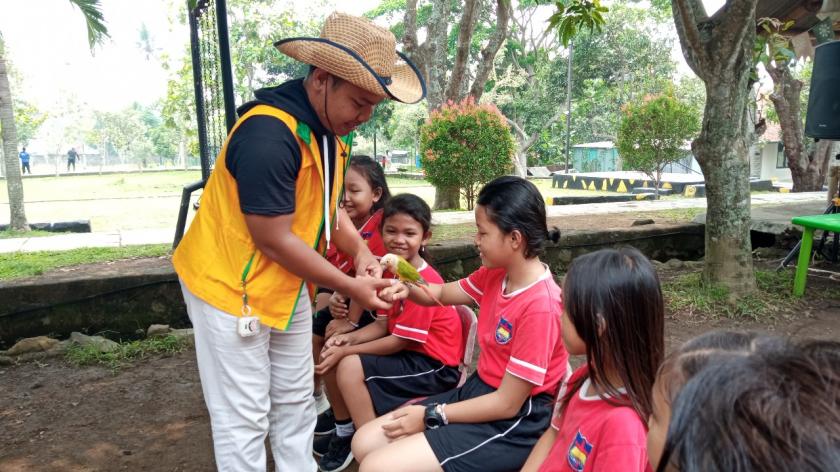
(492, 421)
(411, 351)
(614, 314)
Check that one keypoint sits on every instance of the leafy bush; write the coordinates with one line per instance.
(466, 145)
(654, 132)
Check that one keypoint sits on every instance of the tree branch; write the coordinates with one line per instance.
(735, 20)
(462, 55)
(687, 15)
(503, 11)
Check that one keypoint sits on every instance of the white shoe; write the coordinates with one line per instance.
(321, 403)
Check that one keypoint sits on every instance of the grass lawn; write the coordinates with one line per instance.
(35, 233)
(26, 264)
(126, 201)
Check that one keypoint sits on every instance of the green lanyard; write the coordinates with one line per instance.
(246, 309)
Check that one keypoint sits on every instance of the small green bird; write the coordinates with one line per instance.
(406, 273)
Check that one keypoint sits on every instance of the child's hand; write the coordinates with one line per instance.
(337, 340)
(339, 326)
(338, 305)
(396, 292)
(406, 421)
(330, 357)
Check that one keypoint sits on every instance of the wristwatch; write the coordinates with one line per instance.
(434, 417)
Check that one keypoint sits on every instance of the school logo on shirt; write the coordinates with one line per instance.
(504, 331)
(366, 234)
(579, 452)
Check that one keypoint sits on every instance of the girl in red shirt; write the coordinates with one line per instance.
(411, 351)
(495, 418)
(614, 314)
(365, 193)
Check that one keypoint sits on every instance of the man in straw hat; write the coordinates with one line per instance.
(270, 209)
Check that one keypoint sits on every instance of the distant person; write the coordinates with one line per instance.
(24, 162)
(72, 155)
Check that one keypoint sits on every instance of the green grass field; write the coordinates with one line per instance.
(126, 201)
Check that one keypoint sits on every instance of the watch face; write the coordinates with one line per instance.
(432, 419)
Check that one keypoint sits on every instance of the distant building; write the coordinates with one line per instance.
(603, 156)
(768, 160)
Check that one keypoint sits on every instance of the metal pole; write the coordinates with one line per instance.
(224, 58)
(199, 93)
(569, 104)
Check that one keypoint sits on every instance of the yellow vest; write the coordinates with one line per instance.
(212, 256)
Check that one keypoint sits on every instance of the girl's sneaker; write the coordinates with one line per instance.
(325, 424)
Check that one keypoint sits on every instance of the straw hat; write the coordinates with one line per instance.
(362, 53)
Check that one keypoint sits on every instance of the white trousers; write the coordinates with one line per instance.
(256, 386)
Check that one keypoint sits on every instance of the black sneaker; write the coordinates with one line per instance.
(321, 444)
(325, 424)
(339, 455)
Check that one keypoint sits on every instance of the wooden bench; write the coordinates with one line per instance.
(827, 222)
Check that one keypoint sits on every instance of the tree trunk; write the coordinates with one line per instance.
(719, 50)
(447, 198)
(722, 151)
(14, 183)
(438, 48)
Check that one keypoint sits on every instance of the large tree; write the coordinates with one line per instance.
(96, 32)
(457, 54)
(719, 50)
(808, 164)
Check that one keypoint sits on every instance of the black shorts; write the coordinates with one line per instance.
(501, 445)
(395, 379)
(322, 318)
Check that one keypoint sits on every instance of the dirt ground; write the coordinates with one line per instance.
(55, 416)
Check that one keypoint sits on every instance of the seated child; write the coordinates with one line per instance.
(729, 401)
(411, 351)
(493, 420)
(365, 193)
(614, 314)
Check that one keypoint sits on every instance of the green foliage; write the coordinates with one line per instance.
(27, 264)
(27, 121)
(771, 44)
(254, 26)
(126, 353)
(576, 15)
(465, 145)
(653, 133)
(94, 21)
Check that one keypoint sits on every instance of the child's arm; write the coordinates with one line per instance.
(540, 451)
(448, 294)
(346, 324)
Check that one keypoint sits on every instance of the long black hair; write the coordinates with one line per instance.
(753, 402)
(614, 300)
(513, 203)
(375, 176)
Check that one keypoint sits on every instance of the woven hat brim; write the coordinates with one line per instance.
(406, 84)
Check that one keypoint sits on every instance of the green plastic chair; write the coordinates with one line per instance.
(829, 222)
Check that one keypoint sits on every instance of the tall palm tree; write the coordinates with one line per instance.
(91, 10)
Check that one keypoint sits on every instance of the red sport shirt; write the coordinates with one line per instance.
(370, 233)
(518, 332)
(436, 330)
(593, 435)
